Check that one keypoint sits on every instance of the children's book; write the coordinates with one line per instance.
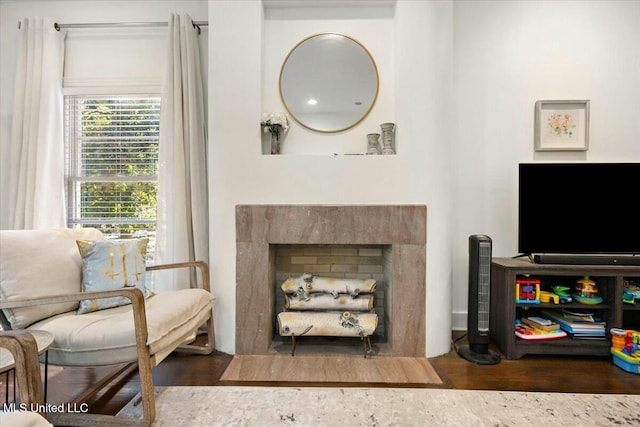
(577, 328)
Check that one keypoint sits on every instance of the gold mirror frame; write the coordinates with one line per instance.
(296, 112)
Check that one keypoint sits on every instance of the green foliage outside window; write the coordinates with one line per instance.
(114, 165)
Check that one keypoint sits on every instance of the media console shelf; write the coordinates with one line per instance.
(504, 309)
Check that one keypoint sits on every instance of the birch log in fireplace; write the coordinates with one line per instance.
(322, 306)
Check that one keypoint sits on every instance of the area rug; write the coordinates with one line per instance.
(322, 406)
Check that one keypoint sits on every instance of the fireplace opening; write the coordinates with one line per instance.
(333, 261)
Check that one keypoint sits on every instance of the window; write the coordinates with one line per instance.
(112, 164)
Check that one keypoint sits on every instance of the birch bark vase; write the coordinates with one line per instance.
(373, 143)
(388, 138)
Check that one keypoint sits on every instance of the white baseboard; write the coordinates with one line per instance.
(459, 321)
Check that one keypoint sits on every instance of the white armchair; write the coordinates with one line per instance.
(41, 287)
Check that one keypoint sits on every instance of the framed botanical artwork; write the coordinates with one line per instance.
(562, 125)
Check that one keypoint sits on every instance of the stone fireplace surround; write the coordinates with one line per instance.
(260, 227)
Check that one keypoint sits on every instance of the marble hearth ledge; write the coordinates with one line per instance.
(401, 227)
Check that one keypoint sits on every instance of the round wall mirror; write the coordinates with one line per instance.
(329, 82)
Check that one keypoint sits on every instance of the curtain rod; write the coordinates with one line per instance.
(196, 24)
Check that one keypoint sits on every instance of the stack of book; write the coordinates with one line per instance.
(538, 328)
(578, 325)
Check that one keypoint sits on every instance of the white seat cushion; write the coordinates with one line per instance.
(107, 336)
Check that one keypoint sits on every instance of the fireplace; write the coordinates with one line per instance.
(398, 231)
(361, 262)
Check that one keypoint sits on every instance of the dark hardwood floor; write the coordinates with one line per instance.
(531, 373)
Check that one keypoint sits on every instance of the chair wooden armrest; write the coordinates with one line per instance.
(130, 293)
(24, 349)
(200, 265)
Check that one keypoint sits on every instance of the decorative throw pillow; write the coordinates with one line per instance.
(111, 264)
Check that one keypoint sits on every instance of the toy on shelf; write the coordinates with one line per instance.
(628, 358)
(528, 291)
(549, 297)
(618, 338)
(628, 298)
(563, 293)
(538, 329)
(587, 292)
(630, 292)
(540, 323)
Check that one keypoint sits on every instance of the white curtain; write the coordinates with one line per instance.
(36, 180)
(182, 229)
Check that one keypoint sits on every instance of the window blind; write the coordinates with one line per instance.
(112, 163)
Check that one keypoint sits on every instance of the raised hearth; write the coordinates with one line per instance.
(260, 228)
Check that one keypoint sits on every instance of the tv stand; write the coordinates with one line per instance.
(505, 309)
(586, 259)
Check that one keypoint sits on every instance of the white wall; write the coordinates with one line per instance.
(507, 55)
(241, 175)
(423, 60)
(373, 27)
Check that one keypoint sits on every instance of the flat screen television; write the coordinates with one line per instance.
(579, 213)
